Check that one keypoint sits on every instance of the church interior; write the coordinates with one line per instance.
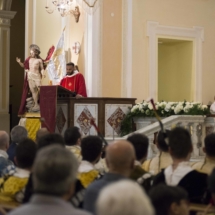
(150, 62)
(125, 48)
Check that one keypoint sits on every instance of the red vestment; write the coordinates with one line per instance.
(75, 83)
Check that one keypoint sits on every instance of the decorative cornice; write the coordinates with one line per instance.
(4, 14)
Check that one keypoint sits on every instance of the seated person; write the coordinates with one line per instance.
(55, 170)
(17, 134)
(72, 138)
(208, 164)
(123, 198)
(168, 200)
(12, 186)
(4, 144)
(140, 143)
(211, 185)
(163, 158)
(91, 149)
(179, 173)
(120, 157)
(40, 133)
(50, 139)
(45, 140)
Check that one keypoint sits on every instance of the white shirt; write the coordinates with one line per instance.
(173, 177)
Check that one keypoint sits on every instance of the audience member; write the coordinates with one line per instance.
(72, 138)
(50, 139)
(12, 185)
(40, 133)
(180, 173)
(140, 143)
(162, 159)
(45, 140)
(17, 134)
(211, 185)
(54, 178)
(4, 144)
(124, 198)
(120, 158)
(91, 149)
(208, 164)
(169, 200)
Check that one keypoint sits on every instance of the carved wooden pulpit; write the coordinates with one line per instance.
(61, 110)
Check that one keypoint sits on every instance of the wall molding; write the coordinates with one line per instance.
(195, 34)
(126, 77)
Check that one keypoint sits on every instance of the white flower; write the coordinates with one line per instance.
(150, 106)
(168, 107)
(178, 108)
(134, 108)
(142, 111)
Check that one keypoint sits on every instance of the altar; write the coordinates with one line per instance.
(60, 110)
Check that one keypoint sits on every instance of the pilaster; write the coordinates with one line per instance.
(5, 20)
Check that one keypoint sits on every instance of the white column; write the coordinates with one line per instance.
(93, 50)
(5, 17)
(126, 89)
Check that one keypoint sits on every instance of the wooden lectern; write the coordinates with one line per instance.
(61, 110)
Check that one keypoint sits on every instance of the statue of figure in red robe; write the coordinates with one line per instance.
(34, 64)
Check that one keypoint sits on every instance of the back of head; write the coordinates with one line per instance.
(123, 197)
(91, 148)
(4, 140)
(25, 153)
(40, 133)
(140, 143)
(210, 145)
(55, 170)
(163, 196)
(72, 135)
(180, 143)
(18, 133)
(161, 143)
(50, 139)
(120, 156)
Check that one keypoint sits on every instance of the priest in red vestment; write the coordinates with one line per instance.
(74, 81)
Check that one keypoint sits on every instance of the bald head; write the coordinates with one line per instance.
(4, 140)
(120, 157)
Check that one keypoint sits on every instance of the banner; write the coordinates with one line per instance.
(56, 67)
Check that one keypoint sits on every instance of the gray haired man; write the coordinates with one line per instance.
(54, 178)
(17, 134)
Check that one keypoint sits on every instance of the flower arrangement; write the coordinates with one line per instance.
(164, 109)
